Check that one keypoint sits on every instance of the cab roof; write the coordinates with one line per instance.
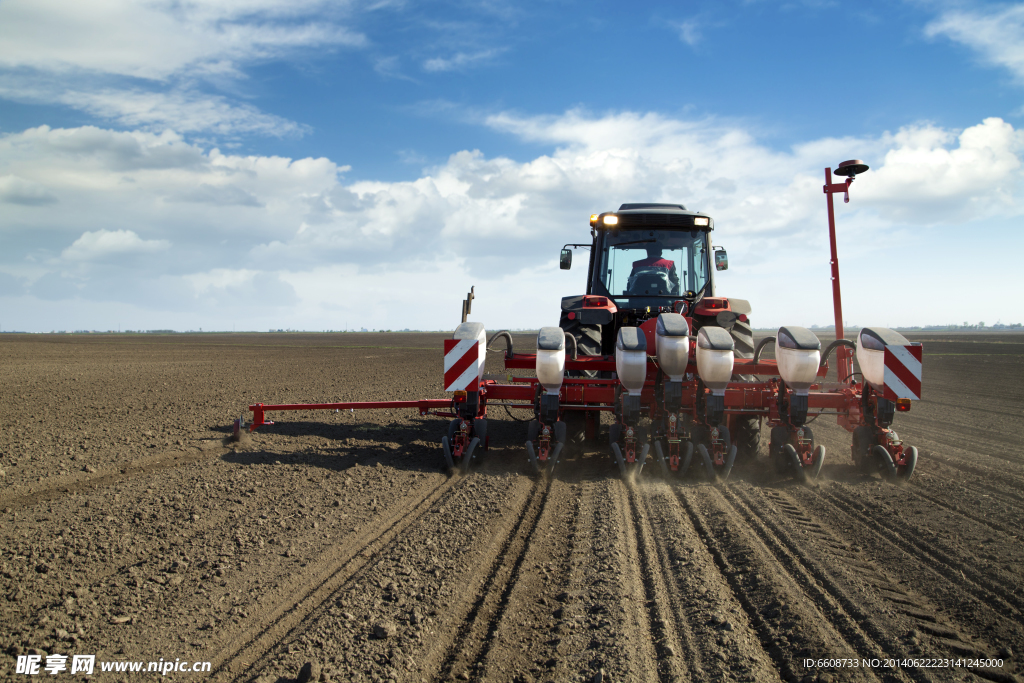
(636, 207)
(659, 216)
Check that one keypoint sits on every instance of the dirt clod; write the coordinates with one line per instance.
(384, 629)
(310, 671)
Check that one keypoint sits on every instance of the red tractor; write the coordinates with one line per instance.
(647, 260)
(674, 364)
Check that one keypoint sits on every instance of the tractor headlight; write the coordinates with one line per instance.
(702, 221)
(611, 220)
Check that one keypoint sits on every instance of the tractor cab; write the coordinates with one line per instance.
(650, 256)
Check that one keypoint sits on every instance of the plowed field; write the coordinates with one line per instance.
(133, 531)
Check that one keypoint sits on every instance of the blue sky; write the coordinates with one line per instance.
(252, 164)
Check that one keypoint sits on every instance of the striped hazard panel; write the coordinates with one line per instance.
(461, 364)
(903, 372)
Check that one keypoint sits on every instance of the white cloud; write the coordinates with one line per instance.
(689, 32)
(159, 39)
(996, 33)
(103, 244)
(177, 227)
(15, 190)
(92, 56)
(460, 60)
(182, 111)
(932, 175)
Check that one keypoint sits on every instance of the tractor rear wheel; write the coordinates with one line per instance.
(743, 338)
(746, 436)
(588, 342)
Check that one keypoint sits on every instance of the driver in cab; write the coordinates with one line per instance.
(654, 263)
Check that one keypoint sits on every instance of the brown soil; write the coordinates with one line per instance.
(133, 530)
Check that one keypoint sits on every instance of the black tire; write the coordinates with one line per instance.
(863, 439)
(798, 469)
(709, 467)
(904, 472)
(743, 338)
(588, 342)
(888, 467)
(746, 436)
(777, 452)
(480, 431)
(532, 430)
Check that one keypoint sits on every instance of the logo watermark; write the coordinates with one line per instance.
(36, 665)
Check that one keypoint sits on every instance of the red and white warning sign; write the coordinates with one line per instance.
(903, 372)
(461, 364)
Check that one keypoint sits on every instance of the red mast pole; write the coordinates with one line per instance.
(844, 355)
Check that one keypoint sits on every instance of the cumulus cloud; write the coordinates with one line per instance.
(103, 244)
(190, 228)
(932, 175)
(15, 190)
(996, 33)
(138, 64)
(157, 40)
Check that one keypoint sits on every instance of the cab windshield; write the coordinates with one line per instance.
(640, 268)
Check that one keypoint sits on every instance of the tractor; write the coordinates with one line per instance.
(674, 364)
(645, 260)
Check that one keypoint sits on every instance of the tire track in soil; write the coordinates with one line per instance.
(848, 615)
(653, 627)
(18, 499)
(956, 510)
(700, 597)
(775, 602)
(988, 589)
(1014, 482)
(123, 563)
(240, 651)
(663, 604)
(474, 635)
(422, 599)
(925, 619)
(587, 639)
(523, 639)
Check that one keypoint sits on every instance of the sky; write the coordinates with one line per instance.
(313, 165)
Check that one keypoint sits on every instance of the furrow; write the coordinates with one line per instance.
(888, 602)
(985, 588)
(1015, 483)
(242, 650)
(474, 636)
(639, 598)
(717, 639)
(957, 510)
(772, 600)
(853, 620)
(662, 604)
(525, 639)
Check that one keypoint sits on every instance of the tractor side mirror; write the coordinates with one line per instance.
(721, 259)
(565, 261)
